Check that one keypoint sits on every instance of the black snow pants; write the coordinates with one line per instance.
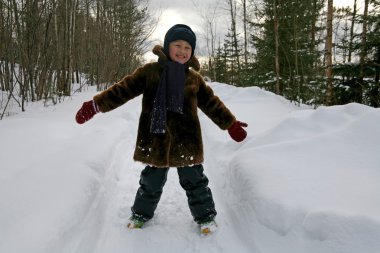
(193, 181)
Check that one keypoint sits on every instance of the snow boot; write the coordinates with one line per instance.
(134, 222)
(208, 227)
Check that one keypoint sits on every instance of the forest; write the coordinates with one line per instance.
(305, 50)
(48, 45)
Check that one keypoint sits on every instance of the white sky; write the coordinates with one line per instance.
(173, 12)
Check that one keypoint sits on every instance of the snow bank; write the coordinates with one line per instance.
(308, 182)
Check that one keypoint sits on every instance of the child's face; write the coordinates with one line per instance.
(180, 51)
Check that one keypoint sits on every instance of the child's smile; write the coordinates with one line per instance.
(180, 51)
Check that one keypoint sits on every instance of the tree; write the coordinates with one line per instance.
(286, 41)
(350, 47)
(276, 36)
(52, 41)
(245, 25)
(232, 51)
(371, 54)
(210, 30)
(328, 53)
(233, 33)
(220, 62)
(363, 49)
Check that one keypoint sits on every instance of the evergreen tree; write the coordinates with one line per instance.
(220, 63)
(296, 22)
(233, 53)
(358, 81)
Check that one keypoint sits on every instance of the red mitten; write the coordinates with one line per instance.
(237, 132)
(86, 112)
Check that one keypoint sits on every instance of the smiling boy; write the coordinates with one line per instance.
(169, 132)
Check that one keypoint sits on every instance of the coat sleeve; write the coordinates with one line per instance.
(121, 92)
(213, 107)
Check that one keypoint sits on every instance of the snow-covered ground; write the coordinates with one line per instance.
(304, 180)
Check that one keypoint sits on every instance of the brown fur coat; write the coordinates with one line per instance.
(181, 145)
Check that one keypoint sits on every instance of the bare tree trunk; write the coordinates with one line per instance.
(363, 50)
(21, 49)
(97, 42)
(211, 44)
(210, 19)
(72, 36)
(59, 49)
(313, 31)
(375, 93)
(276, 35)
(245, 21)
(232, 6)
(350, 49)
(328, 49)
(297, 80)
(67, 65)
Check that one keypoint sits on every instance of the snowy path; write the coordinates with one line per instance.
(171, 230)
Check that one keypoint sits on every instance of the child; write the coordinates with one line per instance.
(169, 133)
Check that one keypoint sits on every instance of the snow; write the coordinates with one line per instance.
(304, 180)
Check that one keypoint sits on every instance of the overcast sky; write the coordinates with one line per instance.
(190, 12)
(171, 12)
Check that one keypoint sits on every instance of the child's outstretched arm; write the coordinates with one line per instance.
(126, 89)
(215, 109)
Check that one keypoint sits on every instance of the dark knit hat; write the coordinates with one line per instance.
(180, 32)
